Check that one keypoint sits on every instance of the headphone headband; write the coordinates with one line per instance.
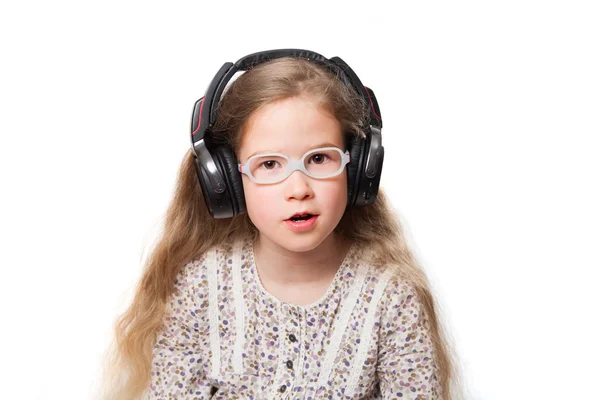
(206, 117)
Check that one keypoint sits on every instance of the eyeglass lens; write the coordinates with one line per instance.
(319, 164)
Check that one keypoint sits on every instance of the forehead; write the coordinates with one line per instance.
(290, 126)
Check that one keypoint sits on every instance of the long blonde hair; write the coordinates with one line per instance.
(189, 230)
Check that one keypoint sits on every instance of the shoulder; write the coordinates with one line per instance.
(192, 274)
(222, 255)
(383, 284)
(386, 282)
(196, 275)
(400, 296)
(192, 278)
(399, 290)
(393, 296)
(213, 257)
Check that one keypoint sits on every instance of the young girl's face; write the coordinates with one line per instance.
(292, 127)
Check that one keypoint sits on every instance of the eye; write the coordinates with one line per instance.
(319, 158)
(269, 164)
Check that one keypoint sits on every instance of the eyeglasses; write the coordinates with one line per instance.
(271, 168)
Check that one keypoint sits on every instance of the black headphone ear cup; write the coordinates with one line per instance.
(229, 165)
(357, 153)
(218, 203)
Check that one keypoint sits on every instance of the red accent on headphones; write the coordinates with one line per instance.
(199, 117)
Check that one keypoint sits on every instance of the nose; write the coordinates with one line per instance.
(297, 186)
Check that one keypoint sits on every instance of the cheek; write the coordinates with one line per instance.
(331, 195)
(335, 195)
(257, 207)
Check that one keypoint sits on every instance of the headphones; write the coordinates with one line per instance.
(217, 165)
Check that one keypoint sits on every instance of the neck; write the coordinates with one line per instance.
(285, 267)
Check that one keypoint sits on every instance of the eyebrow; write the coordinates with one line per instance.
(316, 146)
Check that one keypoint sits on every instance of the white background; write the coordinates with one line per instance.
(491, 131)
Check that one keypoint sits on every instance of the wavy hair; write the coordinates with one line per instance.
(189, 230)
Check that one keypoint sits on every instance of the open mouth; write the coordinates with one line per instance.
(302, 221)
(301, 217)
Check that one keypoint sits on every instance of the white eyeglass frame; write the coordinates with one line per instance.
(294, 165)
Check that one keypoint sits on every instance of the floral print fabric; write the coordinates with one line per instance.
(226, 337)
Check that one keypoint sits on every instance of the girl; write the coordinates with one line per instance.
(282, 271)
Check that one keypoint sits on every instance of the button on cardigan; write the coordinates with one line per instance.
(226, 337)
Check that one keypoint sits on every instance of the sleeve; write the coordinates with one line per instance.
(179, 361)
(406, 367)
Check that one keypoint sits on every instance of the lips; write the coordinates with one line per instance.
(304, 223)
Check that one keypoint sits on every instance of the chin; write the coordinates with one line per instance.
(301, 245)
(298, 243)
